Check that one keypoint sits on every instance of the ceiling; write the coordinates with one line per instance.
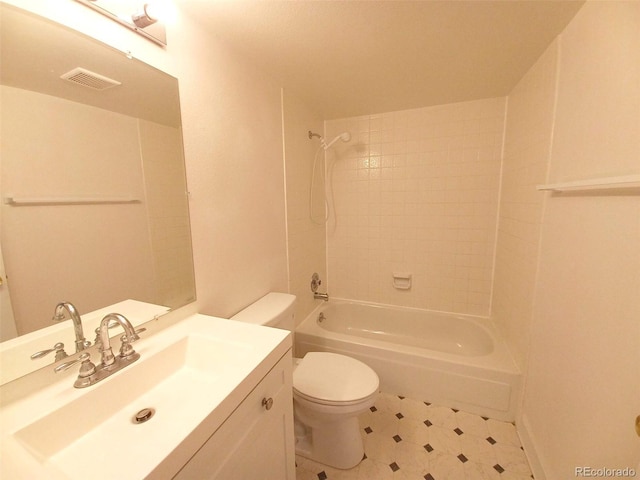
(347, 58)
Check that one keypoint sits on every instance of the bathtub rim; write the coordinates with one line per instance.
(402, 307)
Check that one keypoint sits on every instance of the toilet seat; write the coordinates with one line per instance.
(333, 379)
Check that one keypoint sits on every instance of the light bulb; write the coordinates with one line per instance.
(144, 16)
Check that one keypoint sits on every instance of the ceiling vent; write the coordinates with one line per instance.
(89, 79)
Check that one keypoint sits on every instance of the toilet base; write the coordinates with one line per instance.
(337, 444)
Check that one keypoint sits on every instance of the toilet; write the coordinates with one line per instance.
(329, 391)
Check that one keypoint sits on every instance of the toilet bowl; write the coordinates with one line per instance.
(329, 391)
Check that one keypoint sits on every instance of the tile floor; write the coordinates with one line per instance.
(408, 439)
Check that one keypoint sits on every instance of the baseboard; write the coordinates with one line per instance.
(529, 444)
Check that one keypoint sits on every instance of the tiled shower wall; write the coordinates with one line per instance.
(416, 191)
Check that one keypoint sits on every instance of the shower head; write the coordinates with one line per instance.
(344, 136)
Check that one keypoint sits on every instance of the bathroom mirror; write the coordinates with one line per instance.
(94, 201)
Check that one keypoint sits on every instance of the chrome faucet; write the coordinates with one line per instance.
(58, 316)
(315, 283)
(91, 374)
(130, 336)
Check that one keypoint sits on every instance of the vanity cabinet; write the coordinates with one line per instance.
(256, 440)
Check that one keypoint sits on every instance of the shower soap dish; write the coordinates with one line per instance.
(402, 280)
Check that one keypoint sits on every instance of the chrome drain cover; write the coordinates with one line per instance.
(144, 415)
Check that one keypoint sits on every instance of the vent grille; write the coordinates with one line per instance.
(86, 78)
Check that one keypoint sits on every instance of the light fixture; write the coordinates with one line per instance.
(144, 17)
(148, 19)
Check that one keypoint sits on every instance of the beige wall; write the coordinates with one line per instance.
(306, 237)
(417, 191)
(232, 126)
(576, 333)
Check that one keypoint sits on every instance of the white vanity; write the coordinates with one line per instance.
(220, 406)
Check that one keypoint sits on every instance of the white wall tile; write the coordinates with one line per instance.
(417, 190)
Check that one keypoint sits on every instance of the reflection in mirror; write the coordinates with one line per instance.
(94, 202)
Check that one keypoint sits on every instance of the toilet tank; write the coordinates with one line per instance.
(273, 310)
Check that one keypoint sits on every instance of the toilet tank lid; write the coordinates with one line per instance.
(266, 309)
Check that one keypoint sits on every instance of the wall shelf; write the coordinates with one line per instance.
(626, 182)
(73, 200)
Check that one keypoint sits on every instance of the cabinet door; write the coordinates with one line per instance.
(254, 442)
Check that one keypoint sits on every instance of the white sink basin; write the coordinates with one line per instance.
(185, 373)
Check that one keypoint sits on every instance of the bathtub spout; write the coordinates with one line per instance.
(321, 296)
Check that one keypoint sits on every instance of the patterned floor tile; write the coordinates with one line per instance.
(472, 424)
(407, 439)
(503, 432)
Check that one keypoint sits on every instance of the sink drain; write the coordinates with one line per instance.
(144, 415)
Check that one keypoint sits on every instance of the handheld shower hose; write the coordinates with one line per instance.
(345, 137)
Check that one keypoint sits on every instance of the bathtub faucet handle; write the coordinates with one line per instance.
(315, 282)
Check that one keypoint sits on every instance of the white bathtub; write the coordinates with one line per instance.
(453, 360)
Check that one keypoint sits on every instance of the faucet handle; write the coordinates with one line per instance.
(126, 350)
(87, 368)
(58, 348)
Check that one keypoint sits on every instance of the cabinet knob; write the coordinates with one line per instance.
(267, 403)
